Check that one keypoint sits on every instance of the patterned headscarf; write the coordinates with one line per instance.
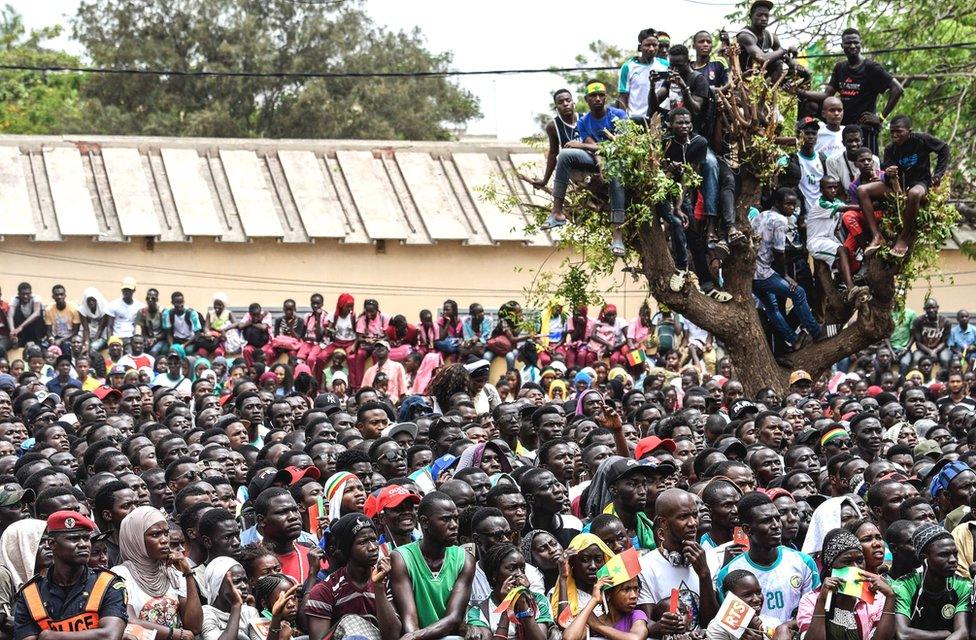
(526, 544)
(837, 542)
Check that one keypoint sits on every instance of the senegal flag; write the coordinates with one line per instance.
(636, 357)
(853, 583)
(621, 568)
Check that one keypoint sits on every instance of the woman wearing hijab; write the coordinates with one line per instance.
(161, 596)
(609, 335)
(488, 456)
(94, 326)
(542, 551)
(827, 614)
(226, 616)
(21, 551)
(342, 332)
(577, 575)
(834, 513)
(578, 330)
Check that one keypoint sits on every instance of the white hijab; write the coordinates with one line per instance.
(825, 517)
(18, 548)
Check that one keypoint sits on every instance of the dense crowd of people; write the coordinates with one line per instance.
(168, 473)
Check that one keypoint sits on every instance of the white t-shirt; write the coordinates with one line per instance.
(658, 577)
(811, 172)
(829, 142)
(164, 610)
(124, 323)
(783, 583)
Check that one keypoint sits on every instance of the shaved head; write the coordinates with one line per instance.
(672, 501)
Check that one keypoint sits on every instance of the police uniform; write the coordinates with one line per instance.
(42, 604)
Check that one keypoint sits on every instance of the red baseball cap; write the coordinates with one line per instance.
(388, 498)
(291, 475)
(103, 392)
(68, 521)
(653, 443)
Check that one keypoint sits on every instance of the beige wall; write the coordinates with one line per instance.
(404, 279)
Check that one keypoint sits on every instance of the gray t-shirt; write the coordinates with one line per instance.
(770, 226)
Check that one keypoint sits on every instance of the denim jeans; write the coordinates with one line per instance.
(710, 183)
(679, 241)
(768, 290)
(580, 160)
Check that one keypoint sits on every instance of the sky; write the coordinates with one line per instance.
(502, 34)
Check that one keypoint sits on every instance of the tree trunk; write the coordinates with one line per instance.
(737, 325)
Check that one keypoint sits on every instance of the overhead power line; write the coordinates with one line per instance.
(182, 73)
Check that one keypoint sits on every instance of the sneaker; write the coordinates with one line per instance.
(677, 281)
(617, 248)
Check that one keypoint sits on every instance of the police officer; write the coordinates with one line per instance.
(71, 602)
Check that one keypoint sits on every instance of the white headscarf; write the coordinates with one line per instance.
(18, 548)
(825, 517)
(214, 576)
(100, 302)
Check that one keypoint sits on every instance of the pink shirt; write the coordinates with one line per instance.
(868, 615)
(324, 322)
(637, 331)
(375, 328)
(397, 375)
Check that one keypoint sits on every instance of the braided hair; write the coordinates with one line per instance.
(448, 380)
(265, 587)
(495, 556)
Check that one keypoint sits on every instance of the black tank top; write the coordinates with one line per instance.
(565, 132)
(765, 44)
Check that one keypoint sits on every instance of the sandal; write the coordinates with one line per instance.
(859, 294)
(552, 223)
(677, 282)
(718, 295)
(721, 250)
(736, 237)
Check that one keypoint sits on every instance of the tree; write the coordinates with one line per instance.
(939, 77)
(31, 102)
(261, 35)
(633, 156)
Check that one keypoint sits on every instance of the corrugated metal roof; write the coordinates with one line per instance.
(175, 189)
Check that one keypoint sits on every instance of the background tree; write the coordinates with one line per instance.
(938, 74)
(262, 35)
(31, 102)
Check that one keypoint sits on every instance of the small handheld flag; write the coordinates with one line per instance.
(636, 357)
(735, 615)
(622, 567)
(316, 512)
(739, 537)
(509, 600)
(854, 583)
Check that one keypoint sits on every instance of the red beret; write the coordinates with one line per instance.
(68, 521)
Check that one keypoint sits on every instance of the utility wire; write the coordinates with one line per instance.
(386, 74)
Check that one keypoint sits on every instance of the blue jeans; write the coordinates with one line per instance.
(768, 290)
(710, 183)
(580, 160)
(679, 241)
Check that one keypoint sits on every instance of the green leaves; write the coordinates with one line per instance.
(231, 35)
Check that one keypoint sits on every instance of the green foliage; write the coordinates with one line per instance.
(263, 35)
(940, 84)
(229, 35)
(33, 103)
(933, 228)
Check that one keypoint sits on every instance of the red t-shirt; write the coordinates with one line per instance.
(295, 564)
